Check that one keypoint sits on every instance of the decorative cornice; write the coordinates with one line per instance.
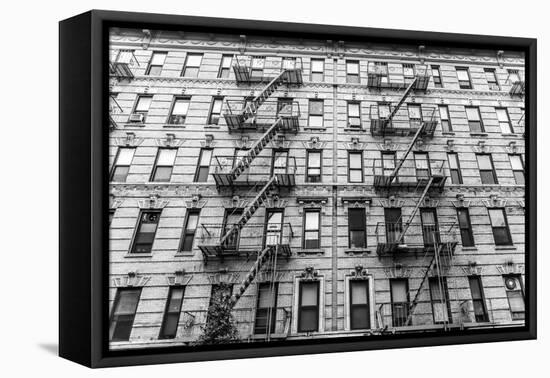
(359, 272)
(509, 267)
(398, 271)
(153, 202)
(473, 269)
(392, 202)
(309, 274)
(494, 201)
(129, 141)
(223, 277)
(179, 278)
(170, 141)
(131, 279)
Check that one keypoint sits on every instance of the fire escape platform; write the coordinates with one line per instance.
(416, 250)
(386, 182)
(518, 88)
(215, 251)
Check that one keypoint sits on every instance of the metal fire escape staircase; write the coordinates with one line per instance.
(394, 111)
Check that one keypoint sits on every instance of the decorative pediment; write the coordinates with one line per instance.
(430, 202)
(359, 272)
(223, 277)
(179, 278)
(460, 201)
(509, 267)
(316, 202)
(129, 141)
(397, 271)
(170, 141)
(280, 143)
(132, 279)
(473, 269)
(153, 202)
(494, 201)
(309, 273)
(114, 202)
(243, 143)
(268, 276)
(481, 147)
(208, 141)
(275, 202)
(420, 145)
(236, 202)
(450, 145)
(314, 144)
(355, 144)
(388, 145)
(146, 39)
(196, 202)
(512, 148)
(391, 201)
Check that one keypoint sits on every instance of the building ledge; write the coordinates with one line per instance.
(138, 255)
(356, 251)
(320, 251)
(479, 135)
(308, 128)
(505, 247)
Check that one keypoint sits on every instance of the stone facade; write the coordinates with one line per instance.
(333, 263)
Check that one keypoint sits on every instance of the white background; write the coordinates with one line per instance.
(29, 155)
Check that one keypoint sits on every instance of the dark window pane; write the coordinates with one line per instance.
(202, 174)
(163, 174)
(502, 236)
(455, 177)
(520, 177)
(487, 177)
(308, 320)
(120, 174)
(155, 70)
(122, 328)
(360, 317)
(467, 238)
(357, 239)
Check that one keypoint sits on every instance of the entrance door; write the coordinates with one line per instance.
(274, 227)
(394, 224)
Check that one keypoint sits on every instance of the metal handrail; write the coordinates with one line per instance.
(251, 237)
(417, 234)
(409, 170)
(269, 110)
(261, 166)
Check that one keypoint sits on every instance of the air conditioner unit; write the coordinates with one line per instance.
(136, 117)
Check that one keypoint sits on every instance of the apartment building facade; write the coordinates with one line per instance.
(337, 188)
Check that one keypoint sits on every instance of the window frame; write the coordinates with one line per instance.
(438, 69)
(150, 65)
(469, 237)
(211, 113)
(474, 122)
(393, 304)
(322, 73)
(171, 115)
(360, 306)
(310, 114)
(308, 176)
(137, 230)
(494, 76)
(516, 171)
(113, 322)
(445, 288)
(185, 231)
(353, 76)
(199, 166)
(358, 117)
(477, 279)
(462, 85)
(222, 69)
(521, 291)
(449, 127)
(186, 65)
(492, 170)
(357, 229)
(162, 332)
(305, 230)
(362, 169)
(457, 169)
(156, 165)
(506, 228)
(115, 165)
(269, 327)
(301, 307)
(508, 122)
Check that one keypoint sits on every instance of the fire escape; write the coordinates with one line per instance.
(264, 176)
(398, 236)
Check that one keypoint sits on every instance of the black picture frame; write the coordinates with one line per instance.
(83, 262)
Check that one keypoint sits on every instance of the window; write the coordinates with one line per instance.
(308, 306)
(284, 107)
(399, 301)
(474, 119)
(316, 113)
(111, 215)
(191, 224)
(354, 115)
(273, 227)
(439, 295)
(466, 234)
(436, 74)
(514, 292)
(230, 218)
(257, 66)
(192, 65)
(359, 304)
(408, 71)
(463, 75)
(162, 170)
(517, 168)
(445, 120)
(415, 112)
(355, 166)
(430, 227)
(279, 164)
(141, 109)
(266, 308)
(156, 63)
(312, 239)
(178, 114)
(123, 160)
(146, 230)
(203, 166)
(357, 228)
(478, 300)
(504, 121)
(422, 164)
(225, 66)
(289, 63)
(499, 223)
(383, 110)
(513, 76)
(454, 168)
(313, 168)
(491, 77)
(352, 71)
(381, 69)
(215, 111)
(219, 293)
(171, 319)
(394, 224)
(486, 169)
(317, 69)
(388, 163)
(124, 312)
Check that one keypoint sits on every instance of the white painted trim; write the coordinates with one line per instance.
(372, 304)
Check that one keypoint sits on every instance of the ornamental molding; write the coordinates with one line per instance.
(243, 143)
(473, 269)
(147, 36)
(130, 140)
(359, 272)
(208, 141)
(153, 202)
(482, 147)
(170, 141)
(509, 267)
(314, 144)
(268, 276)
(391, 202)
(430, 202)
(316, 202)
(309, 274)
(179, 278)
(494, 201)
(131, 279)
(196, 202)
(223, 277)
(461, 201)
(450, 145)
(398, 271)
(280, 143)
(236, 202)
(114, 202)
(388, 145)
(275, 202)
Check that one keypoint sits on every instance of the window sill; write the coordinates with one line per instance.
(505, 247)
(356, 251)
(355, 129)
(174, 126)
(319, 251)
(479, 135)
(450, 133)
(132, 124)
(212, 127)
(138, 255)
(510, 135)
(315, 128)
(184, 254)
(469, 248)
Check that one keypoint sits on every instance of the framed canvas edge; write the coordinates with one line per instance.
(97, 266)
